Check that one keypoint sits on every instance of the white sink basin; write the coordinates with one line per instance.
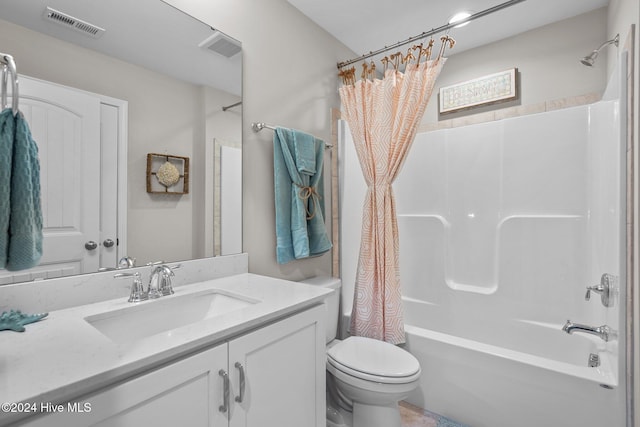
(130, 324)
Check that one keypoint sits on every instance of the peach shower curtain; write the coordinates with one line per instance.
(383, 116)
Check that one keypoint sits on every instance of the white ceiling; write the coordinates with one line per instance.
(369, 25)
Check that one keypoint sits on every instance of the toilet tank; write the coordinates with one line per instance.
(331, 302)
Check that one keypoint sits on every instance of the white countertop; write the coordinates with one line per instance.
(63, 357)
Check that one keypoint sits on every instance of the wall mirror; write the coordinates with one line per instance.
(103, 84)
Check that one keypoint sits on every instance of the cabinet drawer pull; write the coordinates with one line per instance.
(240, 368)
(225, 391)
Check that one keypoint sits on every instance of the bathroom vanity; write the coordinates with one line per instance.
(242, 350)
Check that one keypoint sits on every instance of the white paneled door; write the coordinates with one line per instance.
(66, 125)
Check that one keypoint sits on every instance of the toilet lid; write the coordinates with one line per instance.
(373, 357)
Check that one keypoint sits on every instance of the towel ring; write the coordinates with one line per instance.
(9, 68)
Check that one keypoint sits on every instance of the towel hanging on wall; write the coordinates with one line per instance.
(20, 210)
(299, 189)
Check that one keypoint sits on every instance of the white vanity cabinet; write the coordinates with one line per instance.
(283, 365)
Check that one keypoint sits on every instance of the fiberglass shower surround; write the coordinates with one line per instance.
(502, 226)
(501, 210)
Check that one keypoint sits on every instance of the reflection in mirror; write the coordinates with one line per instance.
(99, 98)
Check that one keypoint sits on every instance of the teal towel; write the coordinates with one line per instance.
(21, 217)
(299, 205)
(304, 150)
(7, 125)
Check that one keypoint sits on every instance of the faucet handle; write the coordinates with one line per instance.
(126, 262)
(137, 288)
(154, 263)
(606, 288)
(596, 288)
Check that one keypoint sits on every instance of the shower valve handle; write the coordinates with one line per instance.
(605, 288)
(597, 288)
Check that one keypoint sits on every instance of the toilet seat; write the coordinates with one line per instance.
(372, 360)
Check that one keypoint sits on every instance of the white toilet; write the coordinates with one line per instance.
(367, 378)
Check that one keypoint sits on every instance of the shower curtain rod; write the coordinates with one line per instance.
(231, 106)
(257, 127)
(432, 32)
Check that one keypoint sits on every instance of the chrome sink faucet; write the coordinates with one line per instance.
(160, 281)
(604, 332)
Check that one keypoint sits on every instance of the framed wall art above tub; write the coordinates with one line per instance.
(481, 91)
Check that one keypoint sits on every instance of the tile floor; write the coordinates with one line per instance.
(413, 416)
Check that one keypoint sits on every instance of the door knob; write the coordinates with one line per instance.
(108, 243)
(90, 245)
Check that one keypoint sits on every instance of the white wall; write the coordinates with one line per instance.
(547, 59)
(289, 80)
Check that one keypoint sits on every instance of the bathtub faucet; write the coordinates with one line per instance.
(604, 332)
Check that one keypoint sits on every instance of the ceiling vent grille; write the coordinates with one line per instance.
(221, 44)
(73, 23)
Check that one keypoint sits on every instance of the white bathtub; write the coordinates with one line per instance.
(513, 373)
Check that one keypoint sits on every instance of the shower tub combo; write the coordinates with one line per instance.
(502, 227)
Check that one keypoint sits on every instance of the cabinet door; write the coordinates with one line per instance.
(284, 368)
(186, 393)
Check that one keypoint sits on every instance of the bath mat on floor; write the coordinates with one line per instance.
(412, 416)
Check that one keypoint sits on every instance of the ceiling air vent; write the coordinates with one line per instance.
(221, 44)
(73, 23)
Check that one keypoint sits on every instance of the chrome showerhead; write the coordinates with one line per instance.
(590, 59)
